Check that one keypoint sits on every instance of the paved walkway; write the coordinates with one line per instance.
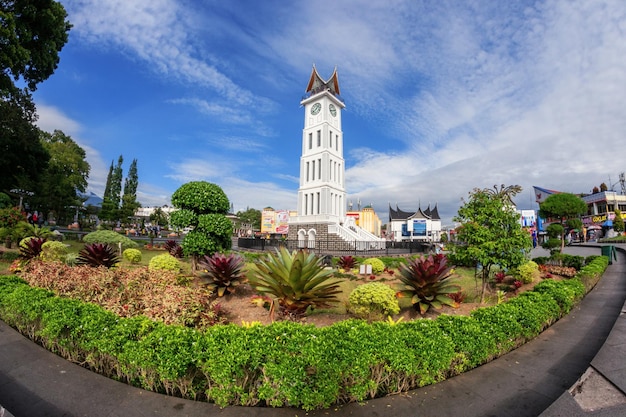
(583, 353)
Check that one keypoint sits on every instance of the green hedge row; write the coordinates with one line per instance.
(286, 363)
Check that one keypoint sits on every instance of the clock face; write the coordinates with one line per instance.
(316, 108)
(333, 109)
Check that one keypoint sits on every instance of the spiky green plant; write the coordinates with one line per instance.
(296, 281)
(98, 254)
(223, 272)
(428, 282)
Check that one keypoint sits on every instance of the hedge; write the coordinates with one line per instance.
(285, 363)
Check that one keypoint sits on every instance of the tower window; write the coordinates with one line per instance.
(331, 140)
(310, 140)
(307, 172)
(337, 142)
(313, 170)
(319, 169)
(319, 138)
(318, 203)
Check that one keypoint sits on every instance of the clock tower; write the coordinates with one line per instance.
(322, 193)
(321, 215)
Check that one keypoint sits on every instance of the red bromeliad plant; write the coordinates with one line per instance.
(31, 247)
(98, 254)
(427, 282)
(346, 262)
(223, 272)
(173, 248)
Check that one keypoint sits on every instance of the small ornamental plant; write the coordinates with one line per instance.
(378, 266)
(346, 262)
(31, 247)
(373, 301)
(132, 255)
(164, 262)
(428, 282)
(53, 251)
(223, 272)
(98, 254)
(297, 282)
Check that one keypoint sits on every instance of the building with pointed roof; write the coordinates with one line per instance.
(420, 225)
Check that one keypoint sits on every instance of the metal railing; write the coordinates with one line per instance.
(337, 248)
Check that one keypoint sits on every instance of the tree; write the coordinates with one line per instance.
(129, 199)
(107, 205)
(22, 158)
(113, 191)
(618, 222)
(66, 174)
(32, 33)
(202, 206)
(603, 187)
(561, 207)
(490, 234)
(250, 217)
(505, 193)
(159, 217)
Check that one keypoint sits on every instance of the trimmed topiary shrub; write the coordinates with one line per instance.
(53, 251)
(164, 262)
(528, 272)
(110, 238)
(378, 266)
(132, 255)
(373, 301)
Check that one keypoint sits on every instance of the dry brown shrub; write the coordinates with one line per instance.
(128, 292)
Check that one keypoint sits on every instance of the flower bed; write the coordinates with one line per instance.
(285, 363)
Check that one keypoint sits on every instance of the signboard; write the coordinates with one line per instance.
(275, 221)
(282, 222)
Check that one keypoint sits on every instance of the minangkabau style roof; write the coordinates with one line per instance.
(317, 83)
(398, 214)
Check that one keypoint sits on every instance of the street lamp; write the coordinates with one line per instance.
(22, 194)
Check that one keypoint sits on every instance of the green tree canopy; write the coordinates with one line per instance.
(250, 216)
(66, 174)
(160, 217)
(203, 207)
(129, 199)
(561, 207)
(490, 234)
(32, 33)
(113, 192)
(618, 222)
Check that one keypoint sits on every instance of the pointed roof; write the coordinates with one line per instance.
(433, 214)
(317, 83)
(398, 214)
(419, 214)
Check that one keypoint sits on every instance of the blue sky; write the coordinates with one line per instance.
(441, 96)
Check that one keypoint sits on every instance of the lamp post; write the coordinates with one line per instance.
(22, 194)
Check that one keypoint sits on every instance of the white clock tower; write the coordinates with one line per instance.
(322, 192)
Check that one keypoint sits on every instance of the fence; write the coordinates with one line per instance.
(337, 248)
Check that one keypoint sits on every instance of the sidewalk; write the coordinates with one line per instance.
(531, 381)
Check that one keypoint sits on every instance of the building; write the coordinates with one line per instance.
(418, 225)
(367, 219)
(598, 221)
(601, 207)
(321, 208)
